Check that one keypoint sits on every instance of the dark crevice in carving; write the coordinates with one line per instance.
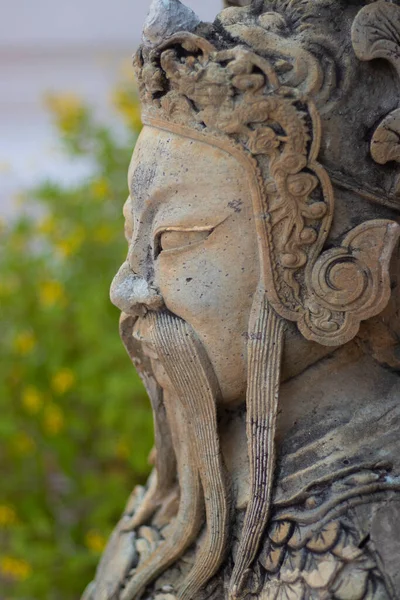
(365, 541)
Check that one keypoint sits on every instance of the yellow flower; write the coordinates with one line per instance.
(53, 420)
(103, 234)
(15, 568)
(32, 399)
(47, 226)
(100, 188)
(72, 243)
(67, 109)
(95, 541)
(8, 516)
(51, 293)
(23, 443)
(24, 343)
(63, 381)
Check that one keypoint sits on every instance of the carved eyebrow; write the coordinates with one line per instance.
(162, 229)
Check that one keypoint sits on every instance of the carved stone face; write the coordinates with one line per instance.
(261, 222)
(191, 235)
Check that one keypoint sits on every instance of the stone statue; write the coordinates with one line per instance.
(260, 305)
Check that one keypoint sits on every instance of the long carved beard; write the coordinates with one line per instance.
(165, 456)
(193, 422)
(192, 418)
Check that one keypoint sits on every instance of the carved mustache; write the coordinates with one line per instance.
(165, 455)
(193, 420)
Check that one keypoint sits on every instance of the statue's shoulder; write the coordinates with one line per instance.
(341, 540)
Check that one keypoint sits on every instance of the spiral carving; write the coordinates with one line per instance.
(349, 284)
(340, 280)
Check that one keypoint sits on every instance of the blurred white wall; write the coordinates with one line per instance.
(58, 23)
(58, 46)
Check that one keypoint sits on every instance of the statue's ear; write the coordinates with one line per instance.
(349, 284)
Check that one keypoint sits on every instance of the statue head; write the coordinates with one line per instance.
(262, 214)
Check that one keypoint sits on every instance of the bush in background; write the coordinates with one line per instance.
(75, 423)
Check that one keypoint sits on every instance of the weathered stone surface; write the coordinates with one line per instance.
(120, 557)
(165, 18)
(385, 537)
(261, 305)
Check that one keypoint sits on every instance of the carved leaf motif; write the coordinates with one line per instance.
(273, 558)
(293, 565)
(263, 141)
(351, 583)
(280, 531)
(347, 551)
(248, 82)
(300, 537)
(293, 591)
(277, 590)
(300, 185)
(324, 539)
(320, 571)
(376, 33)
(385, 143)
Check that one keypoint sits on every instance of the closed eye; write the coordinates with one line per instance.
(170, 240)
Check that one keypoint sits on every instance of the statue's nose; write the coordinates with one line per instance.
(132, 294)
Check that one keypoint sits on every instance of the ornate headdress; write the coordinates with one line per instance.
(254, 84)
(261, 105)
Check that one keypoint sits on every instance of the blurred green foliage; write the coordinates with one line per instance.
(75, 423)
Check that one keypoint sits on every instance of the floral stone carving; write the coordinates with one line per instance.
(260, 305)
